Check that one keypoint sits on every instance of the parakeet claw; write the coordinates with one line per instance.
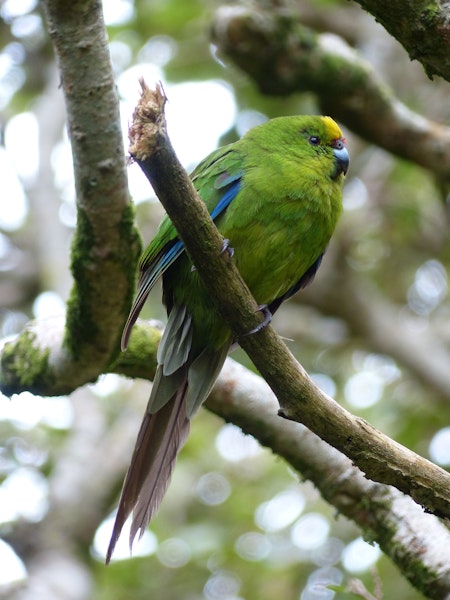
(267, 319)
(227, 248)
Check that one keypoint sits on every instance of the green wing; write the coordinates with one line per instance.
(217, 179)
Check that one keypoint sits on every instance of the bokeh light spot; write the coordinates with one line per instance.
(310, 531)
(253, 546)
(359, 556)
(174, 553)
(439, 448)
(234, 446)
(279, 512)
(213, 488)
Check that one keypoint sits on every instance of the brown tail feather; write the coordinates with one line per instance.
(160, 438)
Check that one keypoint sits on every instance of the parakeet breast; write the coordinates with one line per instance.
(288, 220)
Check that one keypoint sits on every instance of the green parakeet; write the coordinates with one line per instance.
(276, 195)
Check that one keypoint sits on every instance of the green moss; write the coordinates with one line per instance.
(430, 13)
(80, 324)
(144, 342)
(97, 308)
(131, 249)
(420, 575)
(140, 358)
(385, 532)
(24, 366)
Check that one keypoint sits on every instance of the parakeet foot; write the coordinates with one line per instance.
(227, 248)
(267, 319)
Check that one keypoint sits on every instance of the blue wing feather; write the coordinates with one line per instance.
(226, 199)
(177, 247)
(169, 254)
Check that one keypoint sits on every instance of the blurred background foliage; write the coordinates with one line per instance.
(236, 523)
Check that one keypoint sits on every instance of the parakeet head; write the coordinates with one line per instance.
(305, 136)
(332, 137)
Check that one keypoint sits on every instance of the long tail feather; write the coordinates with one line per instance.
(160, 438)
(202, 374)
(182, 382)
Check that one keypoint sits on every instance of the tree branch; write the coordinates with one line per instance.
(282, 56)
(381, 458)
(422, 27)
(106, 246)
(417, 542)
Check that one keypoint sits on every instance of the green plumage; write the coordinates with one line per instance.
(276, 196)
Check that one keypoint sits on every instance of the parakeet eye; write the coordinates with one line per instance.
(314, 140)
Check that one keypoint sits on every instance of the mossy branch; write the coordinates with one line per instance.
(378, 456)
(282, 57)
(48, 358)
(422, 27)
